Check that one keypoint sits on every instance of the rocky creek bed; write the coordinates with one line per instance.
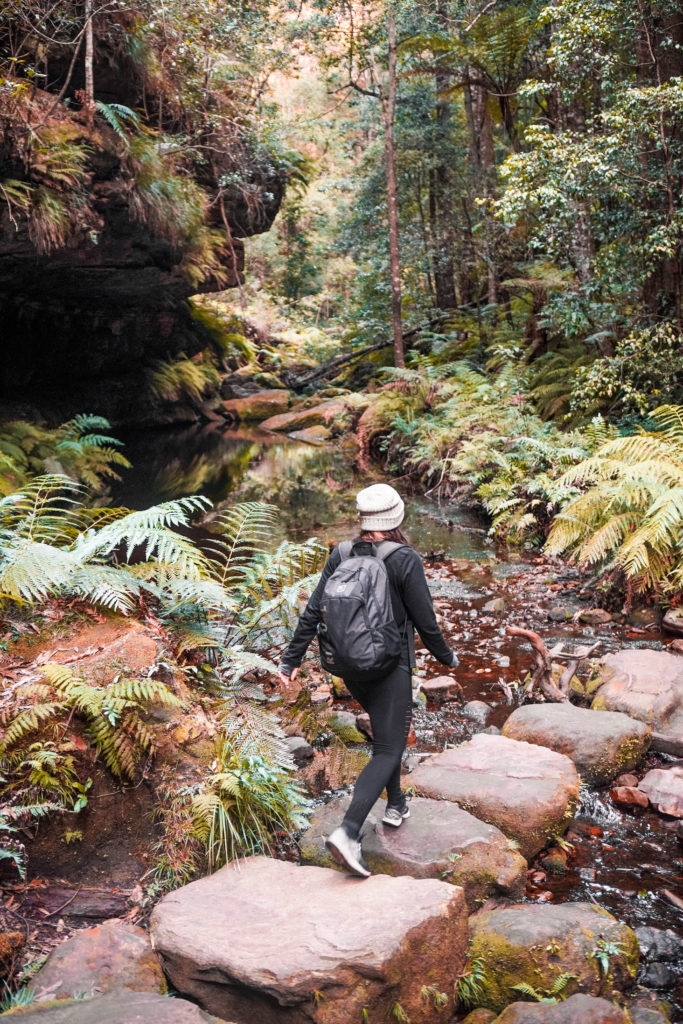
(619, 856)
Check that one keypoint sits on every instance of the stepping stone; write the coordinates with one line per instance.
(119, 1007)
(602, 744)
(664, 788)
(578, 1009)
(112, 955)
(269, 941)
(438, 840)
(528, 792)
(536, 943)
(647, 685)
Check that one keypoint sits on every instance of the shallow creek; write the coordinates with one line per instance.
(622, 859)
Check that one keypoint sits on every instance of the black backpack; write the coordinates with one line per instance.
(358, 635)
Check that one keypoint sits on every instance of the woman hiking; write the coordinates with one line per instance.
(387, 698)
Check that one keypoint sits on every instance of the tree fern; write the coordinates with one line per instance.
(631, 512)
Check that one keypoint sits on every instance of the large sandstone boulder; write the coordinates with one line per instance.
(324, 415)
(602, 744)
(528, 792)
(259, 406)
(120, 1007)
(535, 944)
(269, 941)
(110, 956)
(438, 840)
(647, 685)
(664, 788)
(578, 1009)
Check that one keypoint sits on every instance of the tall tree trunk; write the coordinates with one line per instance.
(89, 97)
(440, 186)
(389, 112)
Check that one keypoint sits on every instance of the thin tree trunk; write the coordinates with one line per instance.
(389, 111)
(441, 186)
(89, 77)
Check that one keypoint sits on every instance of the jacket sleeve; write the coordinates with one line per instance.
(418, 603)
(310, 617)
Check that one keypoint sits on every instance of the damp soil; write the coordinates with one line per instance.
(625, 860)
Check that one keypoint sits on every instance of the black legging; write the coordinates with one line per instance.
(389, 702)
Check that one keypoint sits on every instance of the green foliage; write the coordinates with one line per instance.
(24, 996)
(243, 800)
(183, 378)
(646, 371)
(113, 718)
(469, 986)
(116, 115)
(558, 992)
(630, 512)
(80, 448)
(605, 949)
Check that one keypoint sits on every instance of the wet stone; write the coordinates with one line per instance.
(664, 787)
(441, 689)
(656, 975)
(300, 749)
(647, 685)
(438, 840)
(477, 710)
(269, 941)
(628, 796)
(578, 1009)
(659, 944)
(600, 743)
(526, 791)
(559, 613)
(595, 616)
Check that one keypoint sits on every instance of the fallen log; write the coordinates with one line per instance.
(304, 379)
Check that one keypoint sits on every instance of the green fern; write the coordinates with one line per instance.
(243, 801)
(116, 115)
(630, 513)
(112, 717)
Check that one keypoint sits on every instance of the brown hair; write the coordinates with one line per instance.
(396, 535)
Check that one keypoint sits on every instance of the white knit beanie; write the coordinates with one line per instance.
(380, 507)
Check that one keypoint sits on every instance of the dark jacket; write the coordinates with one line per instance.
(410, 598)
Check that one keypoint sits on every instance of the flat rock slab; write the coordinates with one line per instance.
(438, 840)
(112, 955)
(322, 415)
(664, 789)
(602, 744)
(647, 685)
(257, 406)
(536, 943)
(526, 791)
(120, 1007)
(578, 1009)
(269, 941)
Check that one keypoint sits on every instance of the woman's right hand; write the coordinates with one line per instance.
(285, 679)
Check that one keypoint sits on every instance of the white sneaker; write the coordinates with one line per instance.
(347, 852)
(395, 816)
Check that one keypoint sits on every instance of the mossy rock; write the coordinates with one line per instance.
(120, 1007)
(537, 944)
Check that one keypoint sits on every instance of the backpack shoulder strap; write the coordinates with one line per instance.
(386, 548)
(345, 549)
